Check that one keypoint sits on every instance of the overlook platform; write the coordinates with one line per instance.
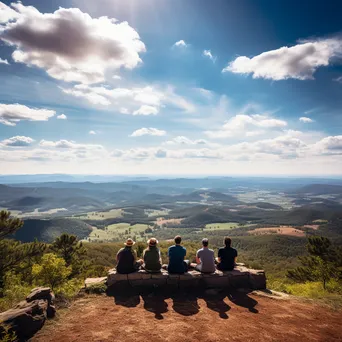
(240, 277)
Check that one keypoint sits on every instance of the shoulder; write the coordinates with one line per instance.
(120, 250)
(211, 251)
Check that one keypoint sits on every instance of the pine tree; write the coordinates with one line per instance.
(15, 256)
(71, 250)
(321, 264)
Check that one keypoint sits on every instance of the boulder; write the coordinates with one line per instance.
(25, 319)
(89, 282)
(41, 293)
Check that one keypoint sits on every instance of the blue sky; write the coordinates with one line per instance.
(171, 87)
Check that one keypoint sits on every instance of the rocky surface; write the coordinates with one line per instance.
(27, 317)
(240, 277)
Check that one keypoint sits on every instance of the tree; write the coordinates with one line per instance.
(8, 225)
(71, 250)
(321, 264)
(14, 255)
(52, 271)
(68, 247)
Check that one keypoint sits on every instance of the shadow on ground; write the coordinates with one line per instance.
(185, 301)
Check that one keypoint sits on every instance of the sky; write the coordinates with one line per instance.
(197, 87)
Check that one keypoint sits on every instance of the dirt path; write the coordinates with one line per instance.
(190, 317)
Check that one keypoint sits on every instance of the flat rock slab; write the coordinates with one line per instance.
(94, 281)
(240, 277)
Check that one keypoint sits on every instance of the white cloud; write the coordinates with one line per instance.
(181, 140)
(298, 62)
(148, 131)
(338, 79)
(180, 43)
(68, 144)
(116, 77)
(329, 145)
(92, 132)
(62, 117)
(207, 53)
(69, 44)
(144, 100)
(17, 141)
(10, 114)
(4, 61)
(146, 110)
(305, 119)
(243, 124)
(7, 14)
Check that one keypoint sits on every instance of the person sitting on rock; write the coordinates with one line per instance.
(152, 257)
(226, 256)
(127, 259)
(205, 259)
(176, 254)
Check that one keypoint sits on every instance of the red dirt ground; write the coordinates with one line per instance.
(189, 317)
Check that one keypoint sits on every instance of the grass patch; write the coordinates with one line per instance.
(101, 215)
(223, 226)
(120, 231)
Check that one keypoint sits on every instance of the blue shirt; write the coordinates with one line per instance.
(176, 256)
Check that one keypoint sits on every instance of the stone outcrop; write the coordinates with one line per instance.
(27, 317)
(240, 277)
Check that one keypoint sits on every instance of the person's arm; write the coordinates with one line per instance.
(235, 258)
(134, 255)
(160, 258)
(118, 256)
(218, 259)
(198, 259)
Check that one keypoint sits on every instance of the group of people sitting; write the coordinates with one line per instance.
(151, 261)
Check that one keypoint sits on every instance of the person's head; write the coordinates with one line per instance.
(178, 240)
(205, 242)
(227, 241)
(129, 243)
(152, 242)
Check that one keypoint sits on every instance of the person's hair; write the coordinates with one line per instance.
(227, 241)
(205, 242)
(178, 240)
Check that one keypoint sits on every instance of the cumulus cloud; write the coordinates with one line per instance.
(298, 62)
(148, 131)
(10, 114)
(7, 14)
(146, 110)
(116, 77)
(4, 61)
(92, 132)
(69, 44)
(62, 117)
(329, 145)
(180, 43)
(305, 119)
(68, 144)
(338, 79)
(207, 53)
(248, 125)
(17, 141)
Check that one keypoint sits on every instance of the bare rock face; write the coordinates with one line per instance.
(27, 317)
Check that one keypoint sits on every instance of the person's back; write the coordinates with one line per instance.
(152, 259)
(206, 258)
(227, 256)
(176, 256)
(126, 258)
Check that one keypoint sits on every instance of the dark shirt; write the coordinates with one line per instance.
(227, 255)
(126, 260)
(176, 256)
(152, 259)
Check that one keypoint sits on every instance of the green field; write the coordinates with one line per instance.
(223, 226)
(100, 215)
(117, 231)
